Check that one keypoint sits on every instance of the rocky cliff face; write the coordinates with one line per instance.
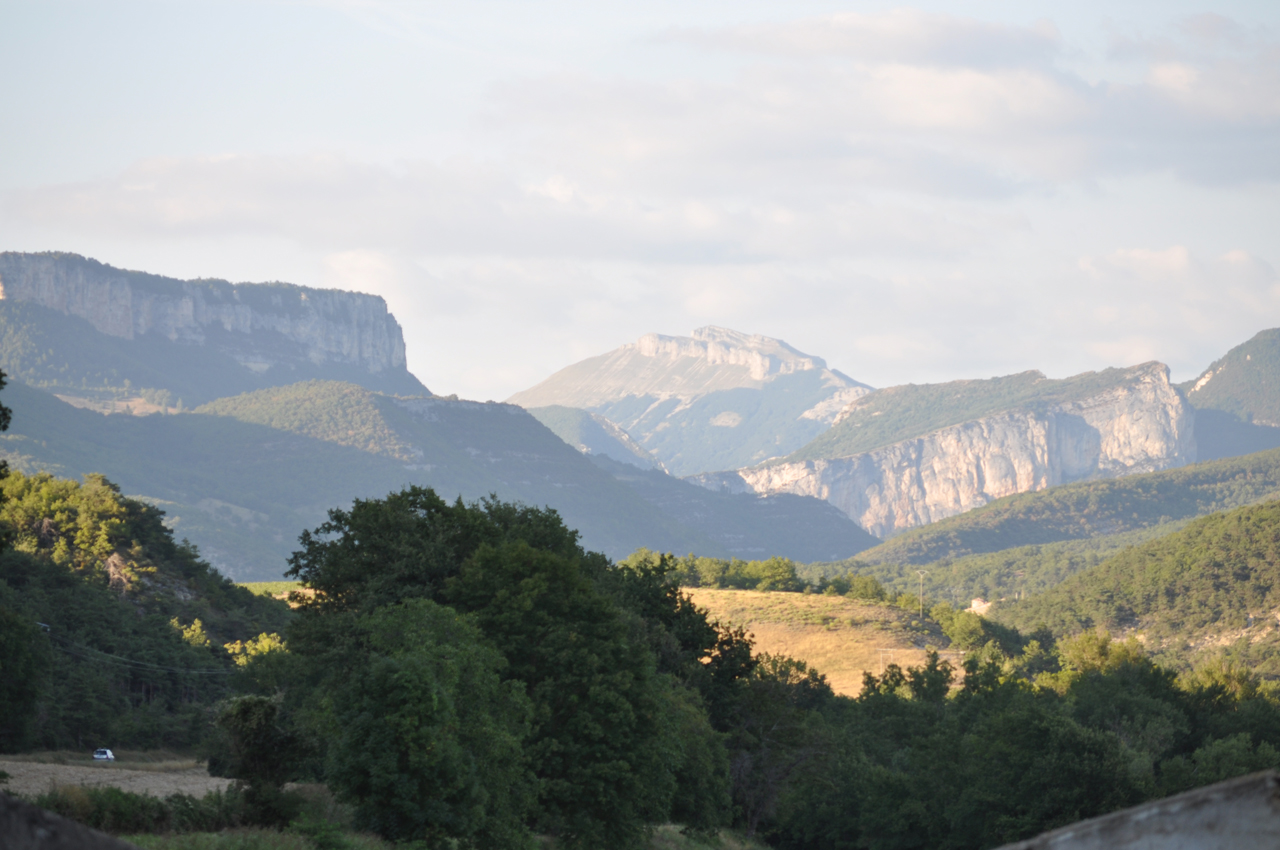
(257, 324)
(1142, 425)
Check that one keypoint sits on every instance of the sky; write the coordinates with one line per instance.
(915, 193)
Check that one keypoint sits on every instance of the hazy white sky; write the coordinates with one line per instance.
(915, 193)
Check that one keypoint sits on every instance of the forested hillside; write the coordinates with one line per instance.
(1014, 573)
(1245, 382)
(111, 634)
(332, 411)
(1212, 584)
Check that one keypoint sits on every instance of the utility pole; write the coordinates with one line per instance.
(922, 573)
(882, 651)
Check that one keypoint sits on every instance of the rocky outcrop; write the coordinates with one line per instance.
(1142, 425)
(321, 326)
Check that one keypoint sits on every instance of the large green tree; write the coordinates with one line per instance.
(424, 736)
(602, 747)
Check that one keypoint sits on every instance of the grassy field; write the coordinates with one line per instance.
(839, 637)
(278, 589)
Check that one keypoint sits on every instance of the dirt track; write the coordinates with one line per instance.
(32, 778)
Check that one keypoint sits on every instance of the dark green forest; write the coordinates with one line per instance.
(1215, 578)
(468, 674)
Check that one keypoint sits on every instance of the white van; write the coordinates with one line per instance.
(103, 755)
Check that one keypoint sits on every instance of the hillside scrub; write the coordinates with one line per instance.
(130, 647)
(1215, 577)
(333, 411)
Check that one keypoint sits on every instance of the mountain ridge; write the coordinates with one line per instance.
(244, 488)
(713, 400)
(1117, 422)
(86, 327)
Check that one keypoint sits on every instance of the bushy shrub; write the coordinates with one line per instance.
(864, 587)
(123, 812)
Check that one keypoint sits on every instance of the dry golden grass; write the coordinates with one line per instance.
(30, 778)
(839, 637)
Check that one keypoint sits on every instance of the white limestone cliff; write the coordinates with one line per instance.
(1142, 425)
(330, 326)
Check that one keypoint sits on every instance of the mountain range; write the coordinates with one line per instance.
(295, 400)
(258, 455)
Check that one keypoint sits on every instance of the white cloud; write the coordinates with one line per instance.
(900, 35)
(912, 196)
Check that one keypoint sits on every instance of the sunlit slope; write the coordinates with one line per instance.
(1007, 574)
(1212, 585)
(1237, 399)
(333, 411)
(839, 637)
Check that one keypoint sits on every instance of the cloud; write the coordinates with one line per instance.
(897, 36)
(467, 208)
(843, 136)
(866, 100)
(911, 196)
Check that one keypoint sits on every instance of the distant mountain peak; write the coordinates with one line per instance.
(716, 399)
(684, 367)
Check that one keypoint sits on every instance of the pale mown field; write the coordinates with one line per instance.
(839, 637)
(35, 774)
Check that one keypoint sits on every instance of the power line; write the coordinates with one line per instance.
(99, 655)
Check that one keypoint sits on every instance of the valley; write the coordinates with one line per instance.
(751, 570)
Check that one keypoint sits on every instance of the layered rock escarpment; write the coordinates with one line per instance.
(1140, 424)
(257, 324)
